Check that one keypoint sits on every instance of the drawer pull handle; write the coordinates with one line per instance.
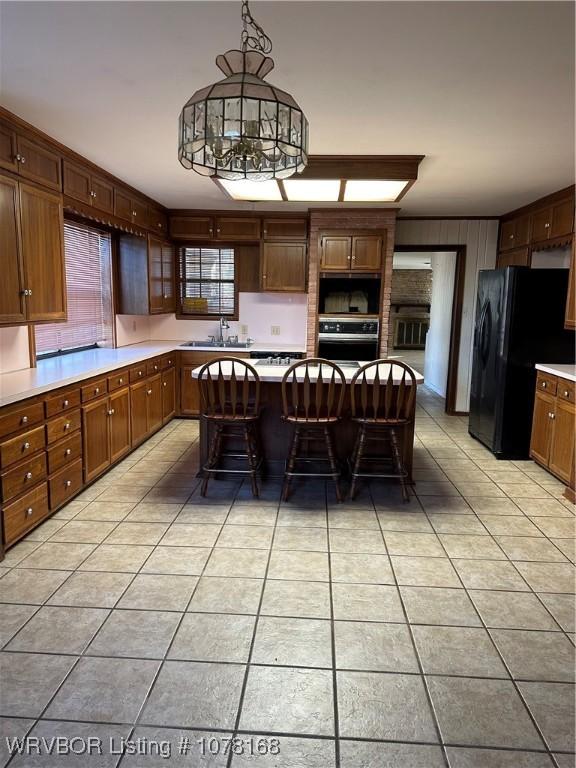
(29, 511)
(155, 367)
(120, 381)
(566, 393)
(24, 419)
(97, 390)
(28, 476)
(543, 385)
(139, 373)
(67, 452)
(68, 483)
(25, 446)
(65, 404)
(67, 425)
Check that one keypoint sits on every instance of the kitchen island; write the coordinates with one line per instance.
(276, 433)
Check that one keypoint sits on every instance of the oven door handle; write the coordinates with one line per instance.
(344, 339)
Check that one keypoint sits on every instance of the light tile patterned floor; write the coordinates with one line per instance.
(373, 634)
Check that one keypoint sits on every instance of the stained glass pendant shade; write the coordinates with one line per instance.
(243, 127)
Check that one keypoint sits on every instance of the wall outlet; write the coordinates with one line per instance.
(275, 330)
(244, 330)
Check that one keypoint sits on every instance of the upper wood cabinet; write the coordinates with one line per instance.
(343, 253)
(145, 276)
(8, 149)
(168, 281)
(12, 302)
(514, 233)
(229, 228)
(130, 208)
(157, 221)
(223, 228)
(285, 229)
(554, 221)
(284, 267)
(38, 163)
(191, 227)
(85, 186)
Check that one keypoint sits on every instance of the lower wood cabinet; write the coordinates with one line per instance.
(146, 408)
(553, 426)
(106, 432)
(168, 394)
(119, 424)
(25, 513)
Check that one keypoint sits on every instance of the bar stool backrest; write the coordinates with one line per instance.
(313, 390)
(229, 388)
(383, 391)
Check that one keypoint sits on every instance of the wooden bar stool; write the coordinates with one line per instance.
(230, 400)
(312, 398)
(382, 395)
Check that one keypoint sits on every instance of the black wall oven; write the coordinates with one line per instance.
(344, 338)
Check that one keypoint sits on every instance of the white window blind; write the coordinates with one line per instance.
(207, 281)
(89, 295)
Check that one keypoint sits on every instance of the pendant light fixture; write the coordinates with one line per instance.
(242, 127)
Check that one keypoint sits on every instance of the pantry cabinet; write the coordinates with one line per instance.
(553, 426)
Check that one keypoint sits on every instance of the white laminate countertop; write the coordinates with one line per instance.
(60, 371)
(274, 373)
(562, 370)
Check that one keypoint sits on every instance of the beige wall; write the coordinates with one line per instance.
(14, 352)
(480, 237)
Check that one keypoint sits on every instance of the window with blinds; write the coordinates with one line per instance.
(207, 281)
(89, 294)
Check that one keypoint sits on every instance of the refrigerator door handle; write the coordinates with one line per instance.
(485, 332)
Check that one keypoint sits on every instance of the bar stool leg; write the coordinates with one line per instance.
(252, 458)
(357, 456)
(291, 463)
(333, 464)
(398, 465)
(213, 458)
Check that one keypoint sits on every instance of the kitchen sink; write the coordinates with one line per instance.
(219, 344)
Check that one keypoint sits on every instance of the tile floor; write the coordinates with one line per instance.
(373, 634)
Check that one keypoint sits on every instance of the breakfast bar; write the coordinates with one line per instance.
(275, 433)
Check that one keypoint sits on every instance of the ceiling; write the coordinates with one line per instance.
(484, 89)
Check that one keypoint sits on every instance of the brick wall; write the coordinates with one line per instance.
(411, 286)
(322, 221)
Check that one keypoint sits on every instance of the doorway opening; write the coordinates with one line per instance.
(426, 314)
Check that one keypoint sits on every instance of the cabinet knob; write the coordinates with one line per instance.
(24, 420)
(547, 225)
(110, 412)
(26, 446)
(165, 384)
(543, 385)
(139, 373)
(134, 214)
(155, 367)
(67, 452)
(96, 390)
(566, 393)
(552, 416)
(149, 392)
(120, 381)
(65, 404)
(94, 195)
(68, 483)
(28, 476)
(29, 511)
(29, 291)
(67, 425)
(21, 159)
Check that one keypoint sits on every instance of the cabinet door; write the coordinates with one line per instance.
(562, 219)
(39, 163)
(96, 438)
(155, 286)
(122, 205)
(284, 267)
(562, 441)
(541, 428)
(102, 194)
(77, 182)
(521, 231)
(570, 316)
(540, 229)
(189, 391)
(199, 227)
(366, 252)
(285, 229)
(139, 212)
(168, 394)
(336, 252)
(138, 399)
(229, 228)
(42, 232)
(507, 230)
(168, 297)
(12, 307)
(157, 221)
(519, 257)
(8, 148)
(119, 423)
(154, 403)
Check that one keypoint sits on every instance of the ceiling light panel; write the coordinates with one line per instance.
(371, 191)
(312, 190)
(252, 190)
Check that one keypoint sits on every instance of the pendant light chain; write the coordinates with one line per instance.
(253, 36)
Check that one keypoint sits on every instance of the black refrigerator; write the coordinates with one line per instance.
(519, 322)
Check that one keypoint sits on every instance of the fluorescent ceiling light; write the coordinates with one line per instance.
(369, 191)
(312, 190)
(252, 190)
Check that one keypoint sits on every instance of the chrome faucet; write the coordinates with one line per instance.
(224, 326)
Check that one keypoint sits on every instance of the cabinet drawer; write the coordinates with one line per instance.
(138, 373)
(62, 427)
(94, 390)
(65, 483)
(23, 417)
(23, 477)
(167, 361)
(152, 367)
(25, 513)
(63, 453)
(566, 390)
(22, 447)
(546, 383)
(117, 380)
(62, 402)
